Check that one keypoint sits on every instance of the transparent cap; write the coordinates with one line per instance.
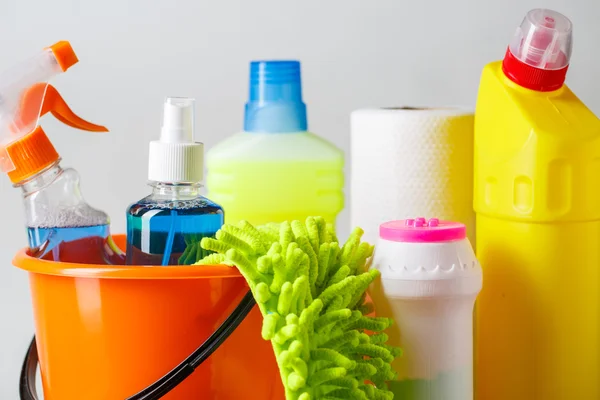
(544, 40)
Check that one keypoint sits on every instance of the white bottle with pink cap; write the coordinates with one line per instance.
(429, 281)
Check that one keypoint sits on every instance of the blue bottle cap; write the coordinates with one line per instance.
(275, 100)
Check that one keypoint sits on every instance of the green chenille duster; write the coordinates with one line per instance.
(311, 293)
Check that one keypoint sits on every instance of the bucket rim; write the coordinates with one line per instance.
(34, 265)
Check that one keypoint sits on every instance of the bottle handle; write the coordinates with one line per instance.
(28, 373)
(169, 381)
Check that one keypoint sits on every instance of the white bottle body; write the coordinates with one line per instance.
(429, 289)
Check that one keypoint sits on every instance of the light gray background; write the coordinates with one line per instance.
(133, 53)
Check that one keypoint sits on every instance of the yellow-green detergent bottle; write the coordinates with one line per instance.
(537, 199)
(275, 170)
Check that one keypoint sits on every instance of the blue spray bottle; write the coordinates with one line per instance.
(166, 227)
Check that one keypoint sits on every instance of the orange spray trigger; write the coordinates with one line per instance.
(42, 98)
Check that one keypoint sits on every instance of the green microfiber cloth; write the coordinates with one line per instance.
(311, 293)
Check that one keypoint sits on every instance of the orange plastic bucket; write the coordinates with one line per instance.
(107, 332)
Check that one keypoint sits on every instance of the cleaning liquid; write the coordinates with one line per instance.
(166, 227)
(69, 244)
(275, 170)
(537, 199)
(61, 225)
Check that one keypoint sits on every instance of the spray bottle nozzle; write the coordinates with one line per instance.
(63, 54)
(178, 120)
(176, 158)
(25, 97)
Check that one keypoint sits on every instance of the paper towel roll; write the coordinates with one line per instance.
(411, 162)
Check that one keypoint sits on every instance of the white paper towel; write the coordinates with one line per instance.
(409, 163)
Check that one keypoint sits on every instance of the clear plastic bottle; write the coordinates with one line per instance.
(61, 225)
(276, 170)
(166, 227)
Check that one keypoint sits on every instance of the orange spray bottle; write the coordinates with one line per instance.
(61, 225)
(537, 199)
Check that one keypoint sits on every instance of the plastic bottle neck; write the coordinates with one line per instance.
(275, 98)
(41, 180)
(275, 117)
(538, 79)
(180, 191)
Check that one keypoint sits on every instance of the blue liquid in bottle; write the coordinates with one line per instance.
(61, 226)
(166, 227)
(71, 244)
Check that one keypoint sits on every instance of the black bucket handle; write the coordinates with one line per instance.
(165, 384)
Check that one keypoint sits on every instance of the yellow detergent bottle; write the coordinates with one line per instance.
(275, 170)
(537, 199)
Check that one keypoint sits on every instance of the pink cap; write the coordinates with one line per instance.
(419, 230)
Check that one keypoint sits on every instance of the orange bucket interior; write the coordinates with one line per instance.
(107, 332)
